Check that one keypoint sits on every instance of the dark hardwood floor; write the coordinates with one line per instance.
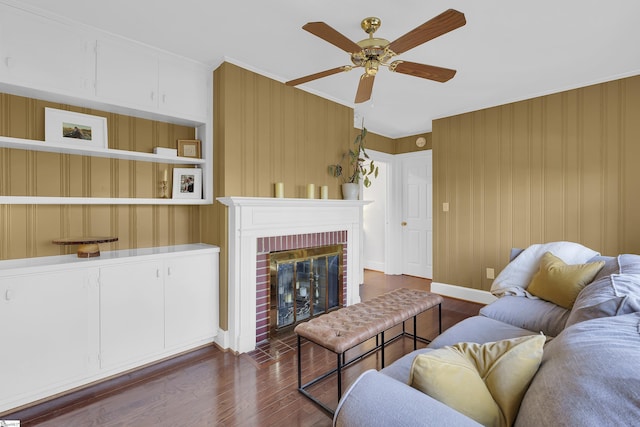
(222, 389)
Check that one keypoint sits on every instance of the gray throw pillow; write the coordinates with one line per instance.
(612, 295)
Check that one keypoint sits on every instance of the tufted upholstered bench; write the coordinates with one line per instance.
(347, 327)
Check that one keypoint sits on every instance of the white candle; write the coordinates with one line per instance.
(165, 175)
(324, 192)
(280, 190)
(311, 191)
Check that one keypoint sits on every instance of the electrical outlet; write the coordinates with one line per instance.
(491, 273)
(445, 207)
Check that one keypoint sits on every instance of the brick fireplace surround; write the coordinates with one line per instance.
(282, 222)
(287, 243)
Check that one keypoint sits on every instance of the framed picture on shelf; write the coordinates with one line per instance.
(187, 183)
(77, 129)
(189, 148)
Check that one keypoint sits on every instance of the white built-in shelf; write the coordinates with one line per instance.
(40, 200)
(30, 144)
(52, 147)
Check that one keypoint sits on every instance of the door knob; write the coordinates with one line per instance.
(404, 223)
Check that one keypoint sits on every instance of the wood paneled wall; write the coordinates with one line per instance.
(27, 230)
(274, 133)
(557, 167)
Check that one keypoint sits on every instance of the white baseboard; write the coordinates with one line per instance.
(460, 292)
(373, 265)
(222, 339)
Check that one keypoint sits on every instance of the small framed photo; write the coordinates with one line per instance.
(189, 148)
(77, 129)
(187, 183)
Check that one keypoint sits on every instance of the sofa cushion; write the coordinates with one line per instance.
(589, 376)
(533, 314)
(478, 329)
(560, 283)
(496, 375)
(611, 295)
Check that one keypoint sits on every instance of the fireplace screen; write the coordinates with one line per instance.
(304, 283)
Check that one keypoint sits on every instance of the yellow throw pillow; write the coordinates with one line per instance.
(561, 283)
(485, 382)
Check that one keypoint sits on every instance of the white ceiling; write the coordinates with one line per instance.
(509, 50)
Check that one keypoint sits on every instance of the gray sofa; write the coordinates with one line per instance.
(589, 374)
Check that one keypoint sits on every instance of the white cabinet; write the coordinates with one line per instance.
(66, 321)
(126, 74)
(189, 294)
(131, 312)
(41, 53)
(183, 87)
(129, 75)
(45, 332)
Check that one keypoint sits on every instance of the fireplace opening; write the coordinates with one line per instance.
(304, 283)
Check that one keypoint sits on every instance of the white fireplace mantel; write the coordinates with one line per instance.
(254, 217)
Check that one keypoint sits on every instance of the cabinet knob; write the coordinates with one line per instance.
(169, 271)
(9, 295)
(403, 223)
(153, 96)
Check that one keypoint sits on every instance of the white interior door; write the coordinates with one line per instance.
(417, 215)
(375, 221)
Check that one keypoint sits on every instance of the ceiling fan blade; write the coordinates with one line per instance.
(435, 27)
(365, 87)
(327, 33)
(430, 72)
(319, 75)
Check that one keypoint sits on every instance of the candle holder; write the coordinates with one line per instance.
(164, 190)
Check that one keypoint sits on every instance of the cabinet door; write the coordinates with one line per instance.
(44, 334)
(131, 312)
(191, 299)
(43, 54)
(183, 88)
(126, 74)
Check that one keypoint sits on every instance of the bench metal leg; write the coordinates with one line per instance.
(303, 388)
(382, 360)
(299, 364)
(415, 332)
(340, 376)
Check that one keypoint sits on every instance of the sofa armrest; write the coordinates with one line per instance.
(376, 399)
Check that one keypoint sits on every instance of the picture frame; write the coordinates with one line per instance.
(187, 183)
(189, 148)
(75, 129)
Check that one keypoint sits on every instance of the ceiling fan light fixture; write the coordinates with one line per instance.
(371, 67)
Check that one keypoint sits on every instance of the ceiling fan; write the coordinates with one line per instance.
(373, 52)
